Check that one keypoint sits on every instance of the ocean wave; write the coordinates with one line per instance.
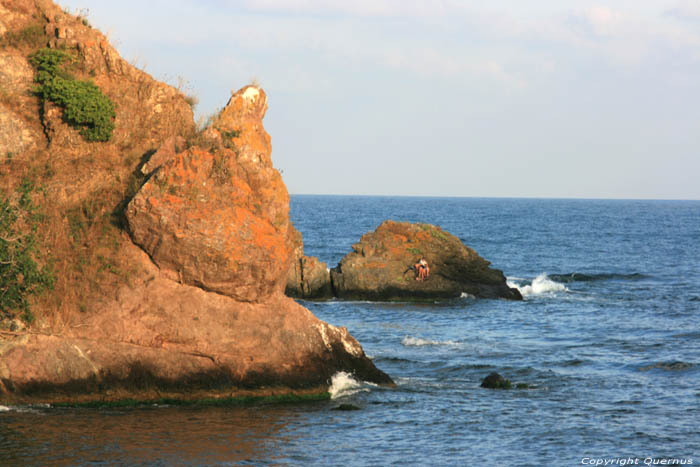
(418, 342)
(343, 384)
(541, 285)
(34, 408)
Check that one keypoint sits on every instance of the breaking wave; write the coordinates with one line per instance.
(418, 342)
(344, 384)
(541, 285)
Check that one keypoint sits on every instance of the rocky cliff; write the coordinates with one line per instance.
(158, 254)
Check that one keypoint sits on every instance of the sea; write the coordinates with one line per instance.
(603, 354)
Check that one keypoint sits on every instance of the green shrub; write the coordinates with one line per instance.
(20, 276)
(85, 108)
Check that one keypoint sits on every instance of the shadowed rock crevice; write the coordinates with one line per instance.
(308, 278)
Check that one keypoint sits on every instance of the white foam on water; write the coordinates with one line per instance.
(343, 384)
(466, 295)
(23, 408)
(541, 285)
(418, 342)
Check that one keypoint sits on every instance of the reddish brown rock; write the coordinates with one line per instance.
(219, 220)
(380, 267)
(166, 152)
(188, 303)
(179, 339)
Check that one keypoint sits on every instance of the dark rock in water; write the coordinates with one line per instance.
(496, 381)
(347, 407)
(381, 267)
(307, 277)
(671, 366)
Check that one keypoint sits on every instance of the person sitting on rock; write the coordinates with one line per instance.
(422, 269)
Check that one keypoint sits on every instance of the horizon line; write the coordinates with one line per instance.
(572, 198)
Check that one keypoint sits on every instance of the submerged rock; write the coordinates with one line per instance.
(347, 407)
(381, 267)
(496, 381)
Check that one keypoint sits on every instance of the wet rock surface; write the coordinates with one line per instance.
(496, 381)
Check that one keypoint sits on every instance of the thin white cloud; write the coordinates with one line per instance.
(603, 20)
(685, 10)
(362, 8)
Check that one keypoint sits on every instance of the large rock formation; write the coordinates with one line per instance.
(380, 267)
(219, 220)
(161, 339)
(170, 248)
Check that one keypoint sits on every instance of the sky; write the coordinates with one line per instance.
(506, 98)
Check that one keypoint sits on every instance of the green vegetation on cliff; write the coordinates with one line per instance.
(20, 275)
(84, 105)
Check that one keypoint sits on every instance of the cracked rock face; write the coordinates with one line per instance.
(219, 218)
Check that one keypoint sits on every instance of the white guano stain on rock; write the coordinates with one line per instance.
(324, 334)
(351, 345)
(250, 93)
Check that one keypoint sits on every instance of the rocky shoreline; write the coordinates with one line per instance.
(170, 245)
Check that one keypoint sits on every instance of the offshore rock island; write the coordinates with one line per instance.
(159, 252)
(380, 268)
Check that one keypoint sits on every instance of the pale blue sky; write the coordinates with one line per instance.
(538, 98)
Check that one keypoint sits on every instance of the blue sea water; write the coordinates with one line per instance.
(607, 339)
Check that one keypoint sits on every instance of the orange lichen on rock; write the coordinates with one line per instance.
(187, 302)
(382, 266)
(217, 221)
